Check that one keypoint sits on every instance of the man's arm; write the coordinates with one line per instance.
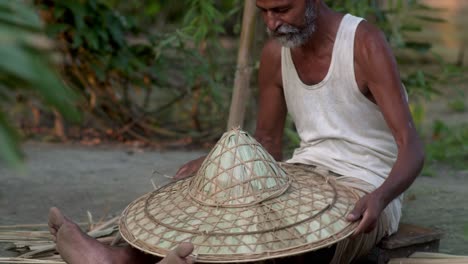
(377, 64)
(271, 103)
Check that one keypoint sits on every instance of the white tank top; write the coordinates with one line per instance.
(339, 127)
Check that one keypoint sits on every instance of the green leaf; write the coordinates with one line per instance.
(55, 29)
(431, 19)
(411, 28)
(54, 91)
(77, 41)
(9, 143)
(92, 39)
(153, 8)
(14, 13)
(16, 61)
(421, 47)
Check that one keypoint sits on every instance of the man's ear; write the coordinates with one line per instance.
(317, 3)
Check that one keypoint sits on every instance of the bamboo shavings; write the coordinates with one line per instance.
(37, 246)
(29, 261)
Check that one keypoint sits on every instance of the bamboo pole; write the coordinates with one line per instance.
(244, 70)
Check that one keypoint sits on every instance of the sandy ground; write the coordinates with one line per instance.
(106, 179)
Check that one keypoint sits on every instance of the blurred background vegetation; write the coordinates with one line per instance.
(160, 73)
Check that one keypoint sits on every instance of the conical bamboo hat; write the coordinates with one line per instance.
(242, 206)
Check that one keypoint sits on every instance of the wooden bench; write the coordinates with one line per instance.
(407, 240)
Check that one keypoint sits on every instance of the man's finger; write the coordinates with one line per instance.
(184, 249)
(180, 172)
(362, 225)
(190, 259)
(356, 213)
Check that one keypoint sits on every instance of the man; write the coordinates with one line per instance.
(336, 76)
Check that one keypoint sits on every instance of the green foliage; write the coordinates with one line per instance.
(448, 144)
(26, 68)
(203, 20)
(457, 105)
(399, 20)
(151, 69)
(141, 81)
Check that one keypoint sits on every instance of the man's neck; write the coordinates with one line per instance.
(326, 24)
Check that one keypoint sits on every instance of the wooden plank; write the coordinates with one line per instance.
(431, 255)
(382, 256)
(408, 235)
(427, 261)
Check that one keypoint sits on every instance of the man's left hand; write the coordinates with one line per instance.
(368, 209)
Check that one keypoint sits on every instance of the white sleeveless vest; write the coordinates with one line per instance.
(339, 127)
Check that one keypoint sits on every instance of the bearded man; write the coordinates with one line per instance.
(336, 76)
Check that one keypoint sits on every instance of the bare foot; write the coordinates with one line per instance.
(180, 255)
(76, 247)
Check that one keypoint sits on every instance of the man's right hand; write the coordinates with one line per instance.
(189, 169)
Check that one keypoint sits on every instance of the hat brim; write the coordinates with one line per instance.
(310, 215)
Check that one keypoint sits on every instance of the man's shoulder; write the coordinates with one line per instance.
(270, 65)
(368, 32)
(271, 52)
(369, 39)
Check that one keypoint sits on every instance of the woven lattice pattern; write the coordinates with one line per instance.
(280, 209)
(238, 172)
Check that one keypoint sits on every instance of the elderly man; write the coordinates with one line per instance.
(336, 76)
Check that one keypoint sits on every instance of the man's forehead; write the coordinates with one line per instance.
(266, 4)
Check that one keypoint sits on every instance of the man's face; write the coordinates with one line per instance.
(290, 22)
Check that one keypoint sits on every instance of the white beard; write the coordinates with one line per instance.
(290, 36)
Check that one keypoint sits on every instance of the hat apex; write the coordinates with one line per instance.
(238, 172)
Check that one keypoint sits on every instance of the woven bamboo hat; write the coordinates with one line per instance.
(241, 206)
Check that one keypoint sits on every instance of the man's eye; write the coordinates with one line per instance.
(281, 10)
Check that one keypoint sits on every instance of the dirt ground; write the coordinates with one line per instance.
(440, 202)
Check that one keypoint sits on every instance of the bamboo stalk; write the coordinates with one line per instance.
(243, 71)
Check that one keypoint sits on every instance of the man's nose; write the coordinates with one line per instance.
(272, 22)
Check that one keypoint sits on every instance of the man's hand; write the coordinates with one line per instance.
(368, 209)
(189, 169)
(180, 255)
